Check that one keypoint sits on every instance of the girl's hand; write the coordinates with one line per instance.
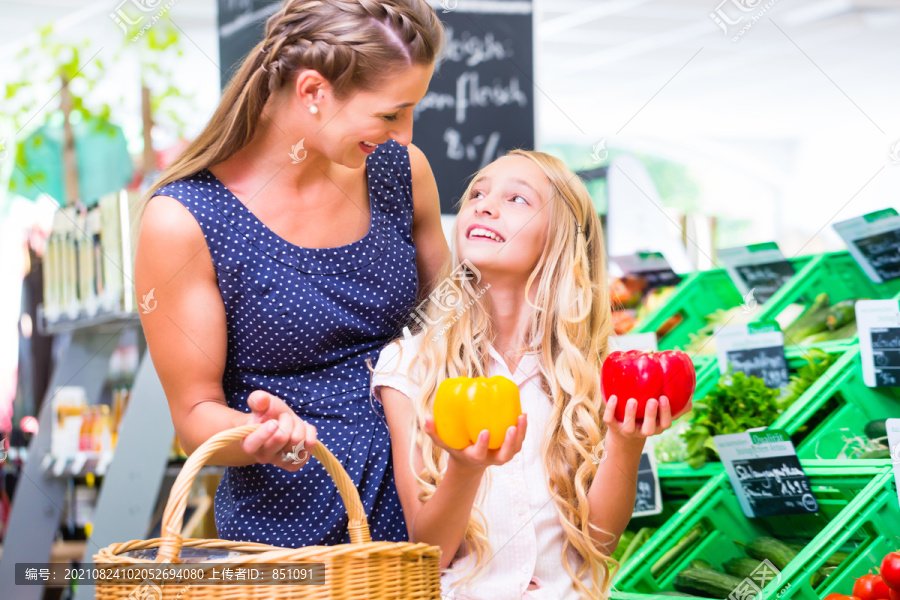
(285, 440)
(657, 418)
(477, 456)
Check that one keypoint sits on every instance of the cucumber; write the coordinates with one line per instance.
(699, 563)
(741, 567)
(817, 578)
(777, 552)
(811, 322)
(668, 559)
(841, 314)
(706, 583)
(876, 429)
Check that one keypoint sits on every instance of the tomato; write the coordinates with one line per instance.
(464, 407)
(890, 570)
(646, 375)
(836, 596)
(871, 587)
(895, 594)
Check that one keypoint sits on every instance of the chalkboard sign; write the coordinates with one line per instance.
(874, 241)
(480, 103)
(648, 500)
(768, 364)
(775, 486)
(242, 25)
(758, 268)
(652, 267)
(882, 251)
(879, 341)
(886, 354)
(765, 473)
(766, 279)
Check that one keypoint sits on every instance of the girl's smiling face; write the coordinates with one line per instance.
(502, 225)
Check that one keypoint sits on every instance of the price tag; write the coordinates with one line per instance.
(645, 342)
(756, 349)
(758, 271)
(649, 498)
(879, 341)
(765, 473)
(893, 431)
(651, 266)
(874, 241)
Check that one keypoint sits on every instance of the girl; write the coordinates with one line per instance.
(542, 521)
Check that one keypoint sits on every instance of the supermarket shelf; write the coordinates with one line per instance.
(101, 321)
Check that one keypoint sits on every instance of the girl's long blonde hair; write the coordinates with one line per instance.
(569, 330)
(354, 44)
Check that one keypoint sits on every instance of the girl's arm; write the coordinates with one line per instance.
(427, 232)
(612, 493)
(441, 520)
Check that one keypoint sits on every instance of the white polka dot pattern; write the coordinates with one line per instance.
(301, 324)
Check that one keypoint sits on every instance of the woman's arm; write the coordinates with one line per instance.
(428, 234)
(188, 341)
(441, 520)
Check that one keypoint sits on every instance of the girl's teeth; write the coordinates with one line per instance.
(485, 233)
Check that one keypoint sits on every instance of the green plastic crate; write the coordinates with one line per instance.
(839, 404)
(698, 295)
(838, 275)
(795, 416)
(840, 489)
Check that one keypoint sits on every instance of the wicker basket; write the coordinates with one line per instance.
(360, 569)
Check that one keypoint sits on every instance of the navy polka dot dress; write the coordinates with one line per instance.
(301, 324)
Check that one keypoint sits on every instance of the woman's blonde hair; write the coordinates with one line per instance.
(354, 44)
(569, 331)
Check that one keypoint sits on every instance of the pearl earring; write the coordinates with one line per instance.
(314, 109)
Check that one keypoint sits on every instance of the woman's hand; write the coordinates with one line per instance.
(285, 440)
(477, 456)
(657, 418)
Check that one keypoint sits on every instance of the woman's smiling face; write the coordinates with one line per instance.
(502, 225)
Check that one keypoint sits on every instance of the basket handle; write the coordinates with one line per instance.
(170, 545)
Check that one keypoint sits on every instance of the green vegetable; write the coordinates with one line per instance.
(817, 362)
(699, 563)
(881, 453)
(669, 558)
(841, 315)
(811, 322)
(777, 552)
(624, 541)
(706, 583)
(876, 429)
(636, 542)
(737, 403)
(741, 567)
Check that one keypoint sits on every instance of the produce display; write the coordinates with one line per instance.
(464, 407)
(822, 322)
(707, 548)
(632, 299)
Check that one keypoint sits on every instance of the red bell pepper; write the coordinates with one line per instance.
(646, 375)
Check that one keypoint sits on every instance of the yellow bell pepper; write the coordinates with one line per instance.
(464, 407)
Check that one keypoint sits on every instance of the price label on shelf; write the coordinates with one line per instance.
(758, 271)
(756, 349)
(874, 241)
(878, 322)
(648, 500)
(765, 473)
(651, 266)
(893, 431)
(645, 342)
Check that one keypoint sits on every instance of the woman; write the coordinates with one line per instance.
(285, 247)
